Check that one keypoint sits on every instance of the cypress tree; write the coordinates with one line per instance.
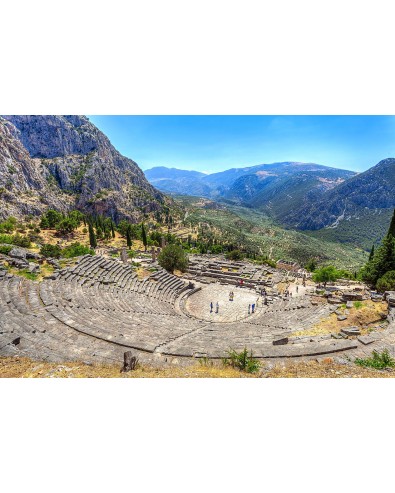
(92, 237)
(391, 230)
(144, 236)
(112, 229)
(371, 253)
(129, 237)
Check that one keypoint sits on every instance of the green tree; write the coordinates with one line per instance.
(311, 265)
(386, 282)
(144, 236)
(129, 238)
(92, 236)
(235, 255)
(76, 250)
(173, 257)
(53, 251)
(371, 255)
(112, 229)
(326, 274)
(391, 230)
(123, 227)
(66, 225)
(50, 219)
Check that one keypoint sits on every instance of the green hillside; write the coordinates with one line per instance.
(257, 231)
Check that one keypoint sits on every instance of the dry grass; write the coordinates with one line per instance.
(326, 368)
(366, 318)
(15, 367)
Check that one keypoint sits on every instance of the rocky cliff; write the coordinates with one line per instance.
(65, 162)
(24, 182)
(372, 190)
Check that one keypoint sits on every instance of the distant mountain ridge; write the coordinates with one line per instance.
(334, 204)
(226, 183)
(373, 189)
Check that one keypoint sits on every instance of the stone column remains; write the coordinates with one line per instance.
(124, 255)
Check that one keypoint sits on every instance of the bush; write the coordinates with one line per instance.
(5, 249)
(22, 241)
(235, 255)
(311, 265)
(386, 282)
(76, 250)
(378, 360)
(53, 251)
(50, 219)
(326, 274)
(173, 257)
(358, 304)
(131, 253)
(242, 361)
(7, 226)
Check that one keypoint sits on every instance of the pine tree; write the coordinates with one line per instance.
(129, 237)
(371, 253)
(144, 236)
(92, 237)
(391, 230)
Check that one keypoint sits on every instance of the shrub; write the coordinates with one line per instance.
(32, 276)
(173, 257)
(7, 226)
(358, 304)
(235, 255)
(378, 360)
(22, 241)
(5, 249)
(326, 274)
(311, 265)
(386, 282)
(131, 253)
(242, 361)
(76, 249)
(53, 251)
(6, 238)
(50, 219)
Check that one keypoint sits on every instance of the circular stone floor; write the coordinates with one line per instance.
(198, 304)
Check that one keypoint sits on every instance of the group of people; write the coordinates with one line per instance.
(216, 307)
(251, 308)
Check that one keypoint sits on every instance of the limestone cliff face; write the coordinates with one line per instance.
(75, 159)
(24, 182)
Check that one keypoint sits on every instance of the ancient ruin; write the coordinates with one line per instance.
(100, 308)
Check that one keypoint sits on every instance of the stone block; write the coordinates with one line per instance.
(351, 331)
(280, 340)
(368, 339)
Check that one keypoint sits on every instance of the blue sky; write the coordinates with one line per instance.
(216, 143)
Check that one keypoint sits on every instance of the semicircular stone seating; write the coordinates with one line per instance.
(100, 308)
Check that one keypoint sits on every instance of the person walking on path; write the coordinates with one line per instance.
(211, 307)
(253, 308)
(249, 309)
(217, 307)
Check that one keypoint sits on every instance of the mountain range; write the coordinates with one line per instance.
(336, 204)
(65, 162)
